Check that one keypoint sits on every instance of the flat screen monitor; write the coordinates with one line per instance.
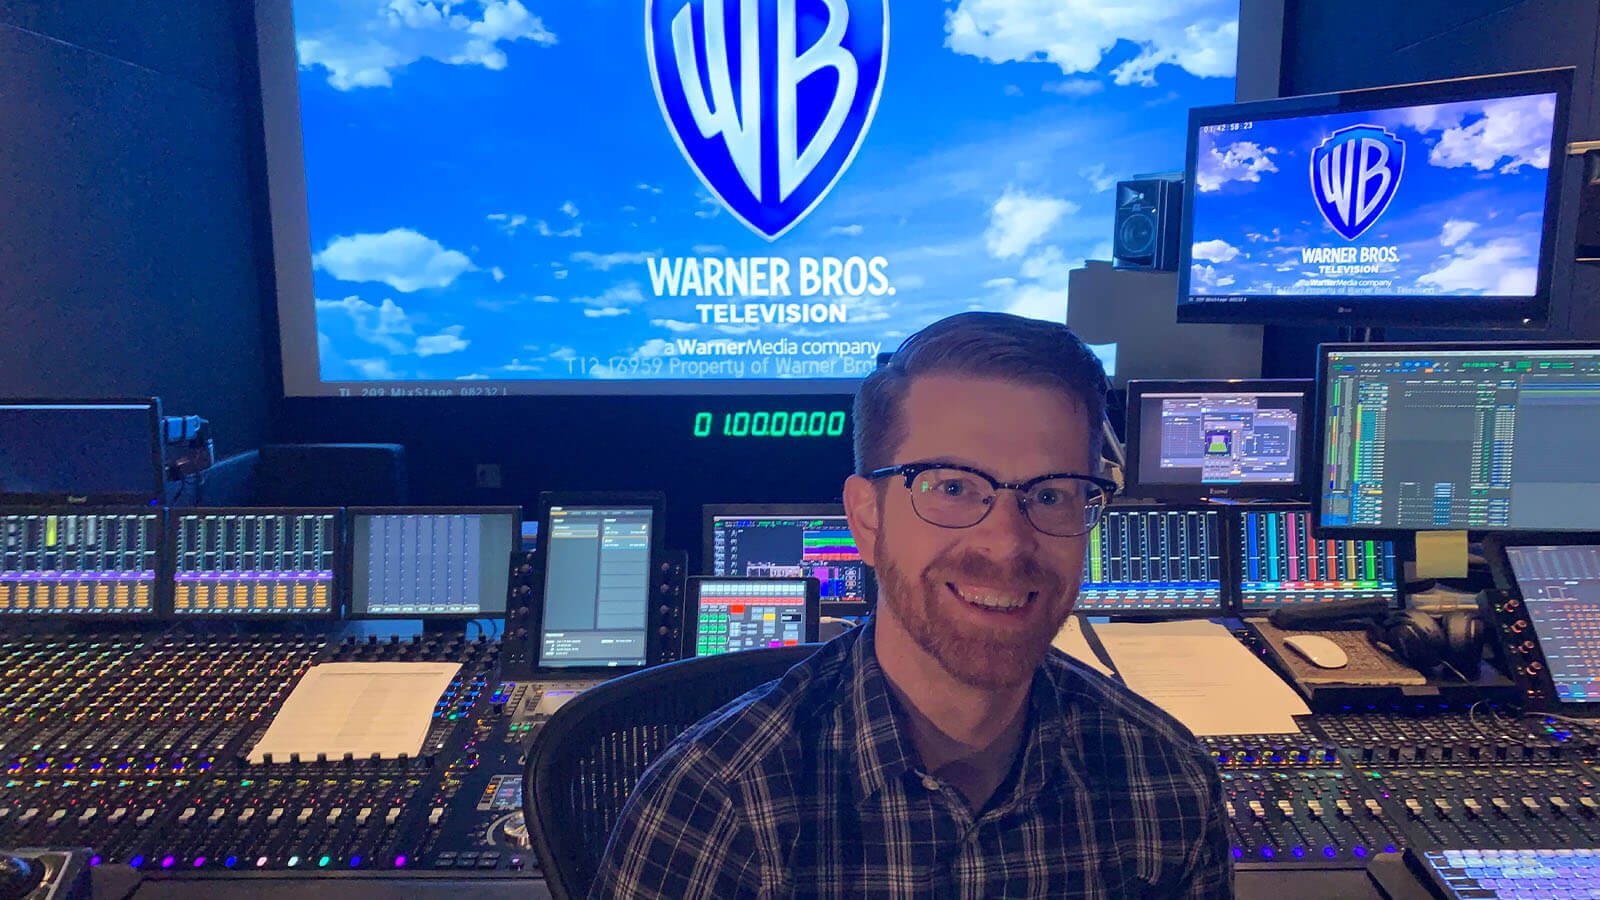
(1194, 440)
(1281, 563)
(594, 567)
(257, 562)
(787, 540)
(1559, 585)
(1158, 560)
(1420, 204)
(729, 614)
(431, 562)
(73, 561)
(1475, 437)
(100, 452)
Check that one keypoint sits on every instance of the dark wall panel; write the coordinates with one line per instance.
(127, 238)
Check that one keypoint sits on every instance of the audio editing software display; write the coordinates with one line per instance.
(429, 563)
(791, 546)
(745, 615)
(256, 562)
(1156, 560)
(596, 586)
(1460, 437)
(79, 563)
(1561, 588)
(1219, 437)
(1281, 563)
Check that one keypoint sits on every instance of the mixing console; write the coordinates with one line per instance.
(135, 746)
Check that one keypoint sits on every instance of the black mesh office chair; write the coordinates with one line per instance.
(588, 757)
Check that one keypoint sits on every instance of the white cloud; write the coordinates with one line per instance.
(627, 293)
(498, 274)
(385, 325)
(563, 354)
(655, 347)
(447, 341)
(709, 207)
(1489, 269)
(401, 258)
(1273, 238)
(1217, 251)
(1454, 231)
(560, 274)
(1515, 130)
(1200, 36)
(509, 222)
(1012, 90)
(546, 298)
(570, 208)
(674, 324)
(606, 312)
(377, 369)
(648, 188)
(1097, 177)
(846, 230)
(517, 365)
(1242, 161)
(363, 44)
(1076, 87)
(1206, 276)
(605, 262)
(476, 376)
(1019, 220)
(545, 230)
(996, 283)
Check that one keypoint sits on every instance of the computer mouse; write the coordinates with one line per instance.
(1318, 650)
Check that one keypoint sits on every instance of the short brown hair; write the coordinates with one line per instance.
(984, 345)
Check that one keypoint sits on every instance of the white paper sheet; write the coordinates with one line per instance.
(357, 708)
(1202, 676)
(1071, 641)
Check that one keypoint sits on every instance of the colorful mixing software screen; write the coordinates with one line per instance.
(1281, 564)
(746, 615)
(1561, 588)
(256, 562)
(1153, 561)
(80, 563)
(791, 546)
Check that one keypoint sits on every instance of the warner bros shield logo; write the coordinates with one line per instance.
(1354, 174)
(769, 100)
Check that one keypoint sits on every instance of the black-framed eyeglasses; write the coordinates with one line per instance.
(1061, 504)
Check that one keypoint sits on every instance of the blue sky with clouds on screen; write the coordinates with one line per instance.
(1466, 218)
(487, 179)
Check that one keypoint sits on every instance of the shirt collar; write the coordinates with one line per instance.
(880, 740)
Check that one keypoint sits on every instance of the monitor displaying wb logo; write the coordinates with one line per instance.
(1354, 174)
(768, 99)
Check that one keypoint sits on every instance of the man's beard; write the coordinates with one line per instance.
(984, 658)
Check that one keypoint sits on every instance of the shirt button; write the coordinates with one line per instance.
(930, 782)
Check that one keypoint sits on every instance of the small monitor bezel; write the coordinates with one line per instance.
(350, 557)
(713, 511)
(1139, 389)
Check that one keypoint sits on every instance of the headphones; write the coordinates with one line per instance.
(1425, 642)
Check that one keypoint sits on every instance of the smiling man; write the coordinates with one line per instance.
(943, 748)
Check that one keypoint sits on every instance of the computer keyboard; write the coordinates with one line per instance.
(1515, 874)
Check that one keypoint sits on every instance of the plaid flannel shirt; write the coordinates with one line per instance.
(810, 786)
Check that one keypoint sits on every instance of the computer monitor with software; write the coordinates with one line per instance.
(593, 566)
(1154, 560)
(1190, 441)
(1556, 578)
(431, 562)
(788, 540)
(1449, 437)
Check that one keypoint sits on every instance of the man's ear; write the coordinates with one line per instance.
(866, 520)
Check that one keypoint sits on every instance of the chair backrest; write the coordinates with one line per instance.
(588, 757)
